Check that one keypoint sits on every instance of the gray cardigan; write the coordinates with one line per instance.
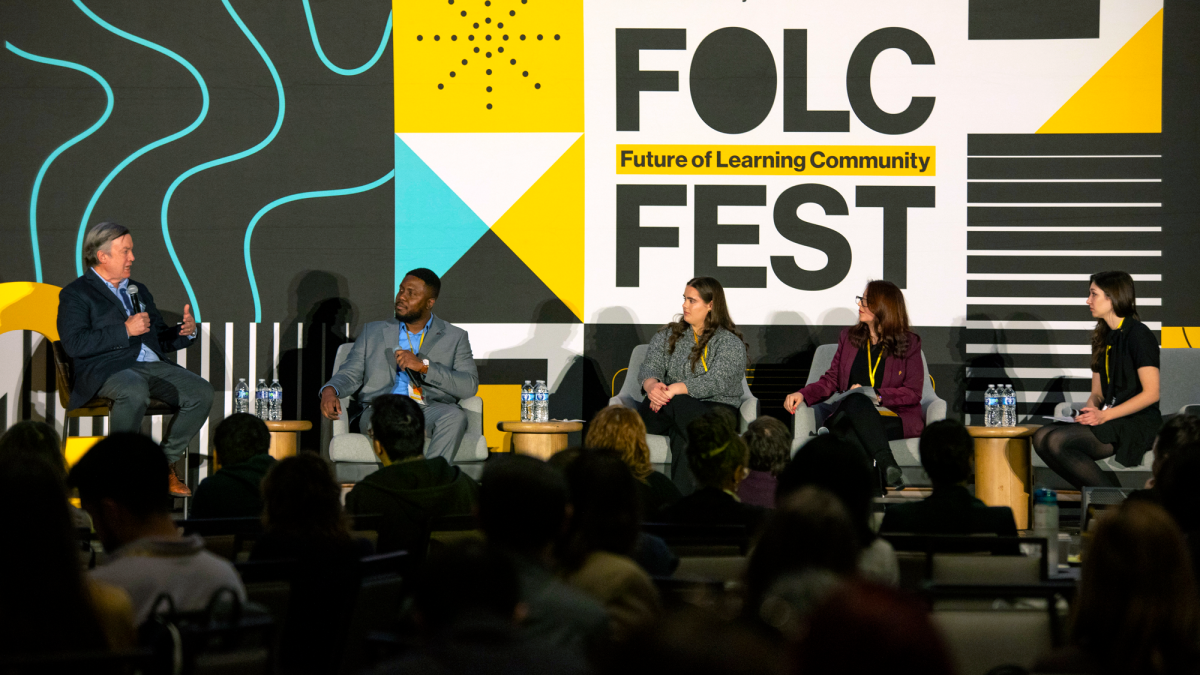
(722, 383)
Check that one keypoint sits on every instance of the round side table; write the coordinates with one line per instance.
(1002, 468)
(539, 439)
(284, 436)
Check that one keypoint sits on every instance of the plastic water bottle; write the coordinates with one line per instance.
(991, 404)
(1010, 406)
(527, 402)
(276, 401)
(241, 397)
(541, 402)
(262, 406)
(1045, 524)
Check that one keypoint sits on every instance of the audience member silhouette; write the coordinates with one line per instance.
(242, 443)
(695, 642)
(1136, 610)
(124, 488)
(41, 440)
(770, 445)
(623, 430)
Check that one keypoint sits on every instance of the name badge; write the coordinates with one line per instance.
(415, 393)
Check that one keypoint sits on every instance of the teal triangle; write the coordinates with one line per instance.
(434, 227)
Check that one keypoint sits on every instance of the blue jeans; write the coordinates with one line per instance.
(188, 394)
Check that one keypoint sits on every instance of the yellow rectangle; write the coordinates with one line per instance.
(778, 160)
(501, 403)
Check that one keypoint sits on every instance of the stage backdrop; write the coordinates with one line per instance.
(566, 166)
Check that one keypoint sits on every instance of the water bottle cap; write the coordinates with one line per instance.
(1045, 496)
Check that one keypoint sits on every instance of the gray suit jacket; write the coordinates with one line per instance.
(370, 368)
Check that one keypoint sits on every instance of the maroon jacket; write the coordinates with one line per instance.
(899, 391)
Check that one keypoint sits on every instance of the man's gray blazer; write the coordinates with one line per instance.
(370, 368)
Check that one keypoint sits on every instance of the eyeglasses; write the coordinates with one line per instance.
(858, 299)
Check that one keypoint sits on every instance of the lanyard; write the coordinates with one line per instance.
(1107, 375)
(704, 356)
(871, 369)
(419, 342)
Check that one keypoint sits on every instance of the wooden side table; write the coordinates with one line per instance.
(284, 436)
(1002, 468)
(539, 439)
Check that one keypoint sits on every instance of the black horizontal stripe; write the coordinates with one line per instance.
(1028, 360)
(1063, 144)
(1027, 336)
(1065, 216)
(510, 371)
(1047, 289)
(1046, 312)
(1036, 264)
(1066, 193)
(1033, 20)
(1046, 386)
(1033, 168)
(1064, 241)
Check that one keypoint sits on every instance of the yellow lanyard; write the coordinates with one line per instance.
(704, 356)
(419, 342)
(871, 369)
(1108, 376)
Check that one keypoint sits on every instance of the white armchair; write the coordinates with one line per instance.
(351, 453)
(906, 450)
(631, 396)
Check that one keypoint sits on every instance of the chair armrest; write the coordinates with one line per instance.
(749, 412)
(804, 423)
(936, 411)
(625, 400)
(473, 407)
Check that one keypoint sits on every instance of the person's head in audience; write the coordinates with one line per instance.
(463, 581)
(122, 482)
(1136, 610)
(1175, 484)
(1177, 432)
(240, 437)
(523, 504)
(830, 464)
(397, 428)
(45, 604)
(301, 500)
(809, 530)
(866, 628)
(605, 508)
(623, 430)
(695, 642)
(770, 445)
(716, 453)
(38, 439)
(947, 453)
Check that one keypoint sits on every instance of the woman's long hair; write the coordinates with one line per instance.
(1136, 610)
(302, 500)
(606, 511)
(45, 603)
(886, 302)
(623, 430)
(1118, 286)
(710, 290)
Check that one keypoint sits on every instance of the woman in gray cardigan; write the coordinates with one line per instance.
(693, 365)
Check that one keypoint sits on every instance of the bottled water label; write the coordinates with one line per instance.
(527, 402)
(541, 402)
(241, 397)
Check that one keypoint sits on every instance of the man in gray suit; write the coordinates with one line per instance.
(413, 354)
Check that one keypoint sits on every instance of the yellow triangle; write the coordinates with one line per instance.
(1124, 96)
(545, 228)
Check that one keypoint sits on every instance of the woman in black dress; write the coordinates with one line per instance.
(1121, 417)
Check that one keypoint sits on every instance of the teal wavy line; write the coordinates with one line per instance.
(166, 205)
(87, 214)
(312, 30)
(284, 200)
(37, 183)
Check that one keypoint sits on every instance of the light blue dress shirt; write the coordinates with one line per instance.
(411, 342)
(121, 290)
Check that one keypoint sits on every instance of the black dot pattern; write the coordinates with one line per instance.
(452, 73)
(557, 37)
(489, 55)
(489, 106)
(489, 71)
(488, 20)
(464, 62)
(453, 38)
(513, 61)
(525, 74)
(500, 49)
(487, 37)
(489, 90)
(419, 38)
(477, 24)
(477, 50)
(471, 38)
(441, 86)
(463, 13)
(538, 85)
(539, 36)
(522, 37)
(512, 12)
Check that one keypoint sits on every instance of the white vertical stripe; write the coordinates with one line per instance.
(206, 373)
(181, 358)
(300, 391)
(85, 426)
(228, 367)
(252, 347)
(156, 428)
(275, 354)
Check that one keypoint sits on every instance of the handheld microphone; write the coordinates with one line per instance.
(133, 298)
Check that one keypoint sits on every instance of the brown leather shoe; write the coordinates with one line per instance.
(178, 488)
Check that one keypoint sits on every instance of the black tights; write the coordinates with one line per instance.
(1072, 450)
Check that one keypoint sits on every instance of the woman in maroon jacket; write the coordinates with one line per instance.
(880, 356)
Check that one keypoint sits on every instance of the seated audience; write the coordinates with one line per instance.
(623, 430)
(467, 606)
(1175, 489)
(523, 509)
(948, 455)
(235, 490)
(48, 606)
(807, 548)
(303, 521)
(717, 457)
(1177, 432)
(595, 551)
(828, 463)
(770, 445)
(1136, 609)
(694, 642)
(40, 439)
(125, 490)
(864, 628)
(409, 490)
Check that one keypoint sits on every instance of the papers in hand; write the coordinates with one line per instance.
(1068, 417)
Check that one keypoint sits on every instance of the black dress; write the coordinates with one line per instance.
(1129, 347)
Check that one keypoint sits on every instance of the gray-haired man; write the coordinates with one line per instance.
(117, 341)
